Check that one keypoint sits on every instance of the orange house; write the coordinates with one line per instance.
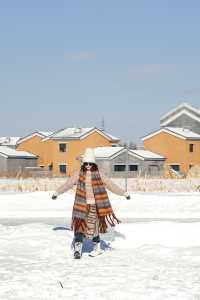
(180, 147)
(59, 152)
(178, 140)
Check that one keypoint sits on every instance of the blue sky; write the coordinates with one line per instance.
(70, 63)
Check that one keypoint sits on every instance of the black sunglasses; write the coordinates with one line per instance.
(88, 164)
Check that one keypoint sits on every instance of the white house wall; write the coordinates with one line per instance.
(3, 164)
(144, 166)
(15, 164)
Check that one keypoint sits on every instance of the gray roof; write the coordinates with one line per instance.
(12, 153)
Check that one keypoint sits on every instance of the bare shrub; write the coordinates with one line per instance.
(168, 173)
(144, 184)
(194, 172)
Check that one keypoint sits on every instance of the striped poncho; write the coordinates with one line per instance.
(104, 209)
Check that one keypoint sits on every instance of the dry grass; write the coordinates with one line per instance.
(30, 184)
(194, 172)
(164, 185)
(169, 173)
(26, 174)
(134, 184)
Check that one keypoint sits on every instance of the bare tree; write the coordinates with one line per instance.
(132, 145)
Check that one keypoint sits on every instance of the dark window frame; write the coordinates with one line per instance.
(175, 167)
(191, 148)
(134, 166)
(62, 149)
(117, 166)
(64, 171)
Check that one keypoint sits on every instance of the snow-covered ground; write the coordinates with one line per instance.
(154, 255)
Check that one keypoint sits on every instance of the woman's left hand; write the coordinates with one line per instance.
(127, 195)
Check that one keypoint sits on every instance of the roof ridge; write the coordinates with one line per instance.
(182, 105)
(172, 130)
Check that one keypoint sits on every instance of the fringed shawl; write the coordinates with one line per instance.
(104, 210)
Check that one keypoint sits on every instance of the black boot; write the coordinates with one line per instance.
(78, 250)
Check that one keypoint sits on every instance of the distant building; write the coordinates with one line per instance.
(178, 139)
(184, 116)
(14, 161)
(59, 151)
(9, 141)
(121, 162)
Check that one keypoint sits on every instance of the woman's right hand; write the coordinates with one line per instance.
(54, 196)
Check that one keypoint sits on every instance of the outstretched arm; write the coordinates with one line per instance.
(66, 186)
(113, 187)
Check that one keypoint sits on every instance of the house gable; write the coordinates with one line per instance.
(185, 120)
(94, 139)
(180, 133)
(184, 116)
(33, 145)
(31, 142)
(104, 134)
(39, 134)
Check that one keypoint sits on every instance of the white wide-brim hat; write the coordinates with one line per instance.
(89, 156)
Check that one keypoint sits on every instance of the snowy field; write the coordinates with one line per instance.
(154, 253)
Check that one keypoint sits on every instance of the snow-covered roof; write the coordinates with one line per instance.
(41, 134)
(9, 152)
(147, 155)
(180, 132)
(9, 140)
(182, 109)
(45, 133)
(111, 152)
(184, 132)
(70, 132)
(78, 133)
(111, 136)
(181, 106)
(106, 152)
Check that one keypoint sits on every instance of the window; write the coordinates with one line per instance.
(63, 169)
(175, 167)
(62, 147)
(133, 168)
(119, 168)
(191, 147)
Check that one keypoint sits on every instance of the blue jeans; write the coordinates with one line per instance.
(79, 236)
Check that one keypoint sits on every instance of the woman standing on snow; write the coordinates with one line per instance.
(92, 211)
